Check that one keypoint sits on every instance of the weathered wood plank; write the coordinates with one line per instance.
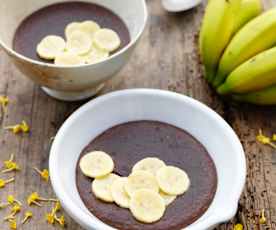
(169, 45)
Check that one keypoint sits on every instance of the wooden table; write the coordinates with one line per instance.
(166, 58)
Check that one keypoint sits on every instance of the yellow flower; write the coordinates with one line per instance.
(60, 220)
(238, 227)
(4, 182)
(28, 215)
(12, 200)
(44, 173)
(18, 128)
(13, 224)
(4, 101)
(16, 208)
(10, 165)
(34, 198)
(274, 137)
(50, 218)
(57, 207)
(264, 139)
(262, 219)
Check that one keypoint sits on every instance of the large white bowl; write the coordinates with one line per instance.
(146, 104)
(73, 82)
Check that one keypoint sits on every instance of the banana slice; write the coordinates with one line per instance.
(50, 47)
(168, 199)
(70, 28)
(79, 43)
(107, 39)
(141, 180)
(172, 180)
(95, 55)
(101, 187)
(89, 27)
(68, 59)
(147, 206)
(149, 164)
(119, 194)
(96, 164)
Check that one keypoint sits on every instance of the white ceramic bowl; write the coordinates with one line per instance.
(77, 82)
(147, 104)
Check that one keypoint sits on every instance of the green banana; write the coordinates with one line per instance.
(264, 97)
(256, 36)
(216, 32)
(255, 74)
(249, 9)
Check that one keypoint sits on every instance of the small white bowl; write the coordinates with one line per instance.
(147, 104)
(76, 82)
(180, 5)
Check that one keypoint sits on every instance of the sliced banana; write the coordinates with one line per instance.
(141, 180)
(79, 43)
(149, 164)
(119, 193)
(70, 28)
(173, 180)
(168, 199)
(147, 206)
(96, 164)
(68, 59)
(50, 47)
(107, 39)
(95, 55)
(89, 27)
(101, 187)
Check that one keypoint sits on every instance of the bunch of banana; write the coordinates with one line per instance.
(240, 60)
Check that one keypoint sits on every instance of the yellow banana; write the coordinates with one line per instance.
(249, 9)
(263, 97)
(256, 36)
(255, 74)
(216, 32)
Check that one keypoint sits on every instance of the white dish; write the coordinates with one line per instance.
(71, 83)
(179, 5)
(148, 104)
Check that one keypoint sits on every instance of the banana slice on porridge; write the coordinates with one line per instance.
(107, 39)
(141, 180)
(95, 55)
(96, 164)
(68, 59)
(50, 47)
(119, 193)
(173, 180)
(149, 164)
(147, 206)
(168, 199)
(70, 28)
(89, 27)
(79, 43)
(101, 187)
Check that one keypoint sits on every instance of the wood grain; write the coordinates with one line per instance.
(166, 58)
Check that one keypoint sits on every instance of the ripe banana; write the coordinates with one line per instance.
(255, 74)
(263, 97)
(216, 32)
(249, 9)
(256, 36)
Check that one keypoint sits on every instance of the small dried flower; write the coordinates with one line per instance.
(60, 220)
(12, 200)
(13, 224)
(28, 215)
(262, 219)
(4, 101)
(34, 198)
(264, 139)
(274, 137)
(44, 173)
(50, 217)
(15, 209)
(4, 182)
(18, 128)
(10, 165)
(238, 227)
(57, 207)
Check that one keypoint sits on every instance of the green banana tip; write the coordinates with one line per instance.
(223, 89)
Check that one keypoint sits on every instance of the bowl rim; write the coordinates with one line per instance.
(78, 215)
(133, 41)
